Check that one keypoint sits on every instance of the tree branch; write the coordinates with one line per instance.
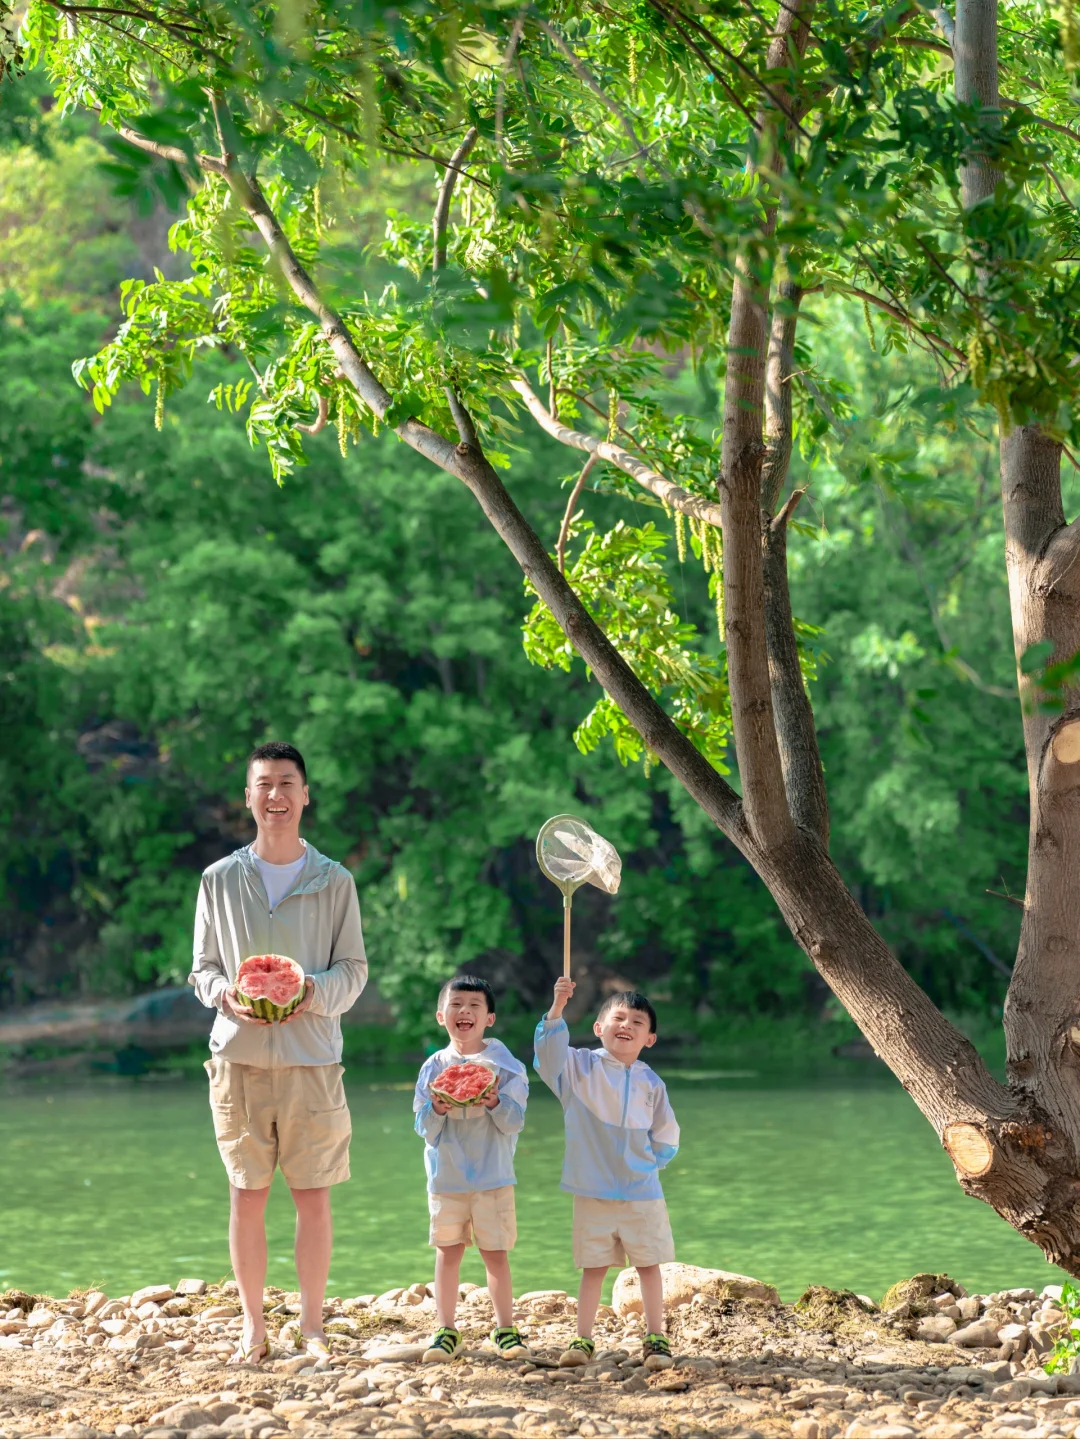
(446, 195)
(319, 422)
(800, 757)
(665, 490)
(568, 514)
(756, 744)
(779, 365)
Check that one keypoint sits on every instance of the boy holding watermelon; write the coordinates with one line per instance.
(470, 1107)
(620, 1132)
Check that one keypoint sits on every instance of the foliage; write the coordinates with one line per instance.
(1067, 1348)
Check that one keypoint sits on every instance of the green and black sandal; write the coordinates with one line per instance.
(656, 1352)
(580, 1351)
(509, 1343)
(445, 1345)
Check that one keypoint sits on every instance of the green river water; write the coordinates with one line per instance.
(118, 1183)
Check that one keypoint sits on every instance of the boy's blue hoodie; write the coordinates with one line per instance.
(473, 1148)
(620, 1128)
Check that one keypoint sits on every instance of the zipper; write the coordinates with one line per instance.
(626, 1098)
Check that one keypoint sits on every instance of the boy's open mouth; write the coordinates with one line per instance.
(464, 1023)
(277, 809)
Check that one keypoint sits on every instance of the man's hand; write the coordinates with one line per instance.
(233, 1007)
(309, 990)
(440, 1106)
(491, 1098)
(564, 989)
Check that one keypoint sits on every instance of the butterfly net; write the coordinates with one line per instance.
(571, 854)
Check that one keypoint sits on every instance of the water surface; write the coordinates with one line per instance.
(118, 1183)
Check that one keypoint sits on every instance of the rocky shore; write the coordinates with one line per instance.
(931, 1361)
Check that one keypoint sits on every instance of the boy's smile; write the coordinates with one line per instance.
(624, 1033)
(465, 1017)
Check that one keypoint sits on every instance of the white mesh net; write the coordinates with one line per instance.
(571, 854)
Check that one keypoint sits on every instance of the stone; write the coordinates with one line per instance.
(40, 1318)
(671, 1386)
(180, 1416)
(194, 1288)
(152, 1294)
(218, 1311)
(936, 1329)
(807, 1429)
(542, 1296)
(1009, 1393)
(980, 1335)
(683, 1281)
(394, 1353)
(354, 1388)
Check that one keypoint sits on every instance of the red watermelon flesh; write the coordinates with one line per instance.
(464, 1084)
(271, 984)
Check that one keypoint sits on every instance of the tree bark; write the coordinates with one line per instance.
(975, 60)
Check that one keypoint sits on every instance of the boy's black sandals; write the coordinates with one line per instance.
(579, 1351)
(656, 1352)
(509, 1343)
(445, 1345)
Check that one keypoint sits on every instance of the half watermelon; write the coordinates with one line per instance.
(464, 1084)
(271, 984)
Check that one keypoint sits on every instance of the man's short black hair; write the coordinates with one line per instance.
(470, 984)
(633, 999)
(278, 749)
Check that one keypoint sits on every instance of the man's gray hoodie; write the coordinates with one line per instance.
(317, 924)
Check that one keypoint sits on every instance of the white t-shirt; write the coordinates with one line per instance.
(278, 879)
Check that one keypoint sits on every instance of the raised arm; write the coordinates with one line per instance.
(338, 988)
(551, 1043)
(207, 977)
(664, 1133)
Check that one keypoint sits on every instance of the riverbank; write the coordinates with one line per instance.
(933, 1362)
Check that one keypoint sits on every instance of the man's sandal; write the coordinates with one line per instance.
(254, 1354)
(317, 1345)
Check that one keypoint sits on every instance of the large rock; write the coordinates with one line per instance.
(980, 1335)
(683, 1281)
(936, 1329)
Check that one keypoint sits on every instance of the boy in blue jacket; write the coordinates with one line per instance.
(620, 1132)
(469, 1157)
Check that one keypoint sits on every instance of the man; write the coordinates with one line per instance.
(275, 1089)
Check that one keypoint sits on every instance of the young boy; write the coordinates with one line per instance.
(469, 1155)
(620, 1132)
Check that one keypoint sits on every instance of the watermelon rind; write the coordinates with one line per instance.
(263, 1008)
(473, 1099)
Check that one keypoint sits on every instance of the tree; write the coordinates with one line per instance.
(634, 182)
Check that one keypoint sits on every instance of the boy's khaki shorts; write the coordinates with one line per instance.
(484, 1215)
(621, 1231)
(295, 1118)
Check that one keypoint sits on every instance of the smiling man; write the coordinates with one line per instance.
(275, 1089)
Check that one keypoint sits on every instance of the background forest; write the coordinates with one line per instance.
(164, 606)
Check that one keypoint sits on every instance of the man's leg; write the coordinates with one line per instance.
(247, 1248)
(314, 1242)
(500, 1285)
(447, 1278)
(592, 1281)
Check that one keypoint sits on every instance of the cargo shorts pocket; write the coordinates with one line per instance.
(226, 1099)
(323, 1090)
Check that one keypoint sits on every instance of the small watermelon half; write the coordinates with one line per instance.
(464, 1084)
(271, 984)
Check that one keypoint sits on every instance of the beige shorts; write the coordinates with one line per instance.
(621, 1231)
(295, 1118)
(484, 1215)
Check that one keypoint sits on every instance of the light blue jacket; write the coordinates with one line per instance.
(620, 1128)
(473, 1148)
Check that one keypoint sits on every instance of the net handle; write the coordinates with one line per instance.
(567, 901)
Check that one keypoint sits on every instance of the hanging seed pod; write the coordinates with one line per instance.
(613, 414)
(868, 317)
(680, 536)
(159, 404)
